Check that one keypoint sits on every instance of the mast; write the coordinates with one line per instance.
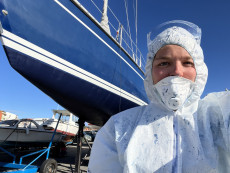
(104, 19)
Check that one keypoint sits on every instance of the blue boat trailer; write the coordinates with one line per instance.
(49, 165)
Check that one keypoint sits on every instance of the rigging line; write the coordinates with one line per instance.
(135, 19)
(127, 17)
(113, 14)
(114, 17)
(110, 11)
(96, 6)
(128, 35)
(101, 13)
(136, 27)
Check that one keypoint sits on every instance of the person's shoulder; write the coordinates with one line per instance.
(214, 107)
(125, 119)
(215, 99)
(216, 95)
(128, 116)
(132, 112)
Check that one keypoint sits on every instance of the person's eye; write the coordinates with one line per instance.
(163, 64)
(189, 63)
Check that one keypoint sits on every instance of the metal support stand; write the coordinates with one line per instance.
(79, 145)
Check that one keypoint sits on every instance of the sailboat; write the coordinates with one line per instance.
(61, 48)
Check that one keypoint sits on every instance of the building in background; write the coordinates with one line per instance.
(7, 116)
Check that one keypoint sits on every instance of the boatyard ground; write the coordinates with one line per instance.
(66, 163)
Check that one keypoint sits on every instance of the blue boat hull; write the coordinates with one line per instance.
(55, 46)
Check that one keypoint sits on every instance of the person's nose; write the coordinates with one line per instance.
(177, 70)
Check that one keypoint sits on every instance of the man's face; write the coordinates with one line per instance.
(173, 60)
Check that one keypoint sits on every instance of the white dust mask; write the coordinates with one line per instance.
(174, 91)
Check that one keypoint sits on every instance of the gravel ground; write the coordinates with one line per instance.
(67, 163)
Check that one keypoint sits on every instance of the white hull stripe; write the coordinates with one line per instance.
(55, 61)
(103, 41)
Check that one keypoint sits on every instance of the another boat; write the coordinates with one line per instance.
(63, 50)
(26, 133)
(68, 125)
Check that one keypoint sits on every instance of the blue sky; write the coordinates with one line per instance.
(19, 96)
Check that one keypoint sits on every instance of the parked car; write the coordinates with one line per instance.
(87, 137)
(90, 135)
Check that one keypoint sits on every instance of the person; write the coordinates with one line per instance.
(177, 131)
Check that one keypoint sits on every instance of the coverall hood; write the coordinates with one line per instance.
(176, 36)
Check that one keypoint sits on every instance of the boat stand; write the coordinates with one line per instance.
(80, 137)
(47, 166)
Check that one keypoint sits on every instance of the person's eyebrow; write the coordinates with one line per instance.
(167, 58)
(187, 58)
(162, 58)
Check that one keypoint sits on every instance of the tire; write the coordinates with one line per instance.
(48, 166)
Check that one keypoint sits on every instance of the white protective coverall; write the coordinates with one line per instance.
(195, 138)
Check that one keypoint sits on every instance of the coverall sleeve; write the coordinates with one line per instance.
(223, 141)
(104, 156)
(224, 103)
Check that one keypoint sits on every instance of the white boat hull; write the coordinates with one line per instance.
(33, 136)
